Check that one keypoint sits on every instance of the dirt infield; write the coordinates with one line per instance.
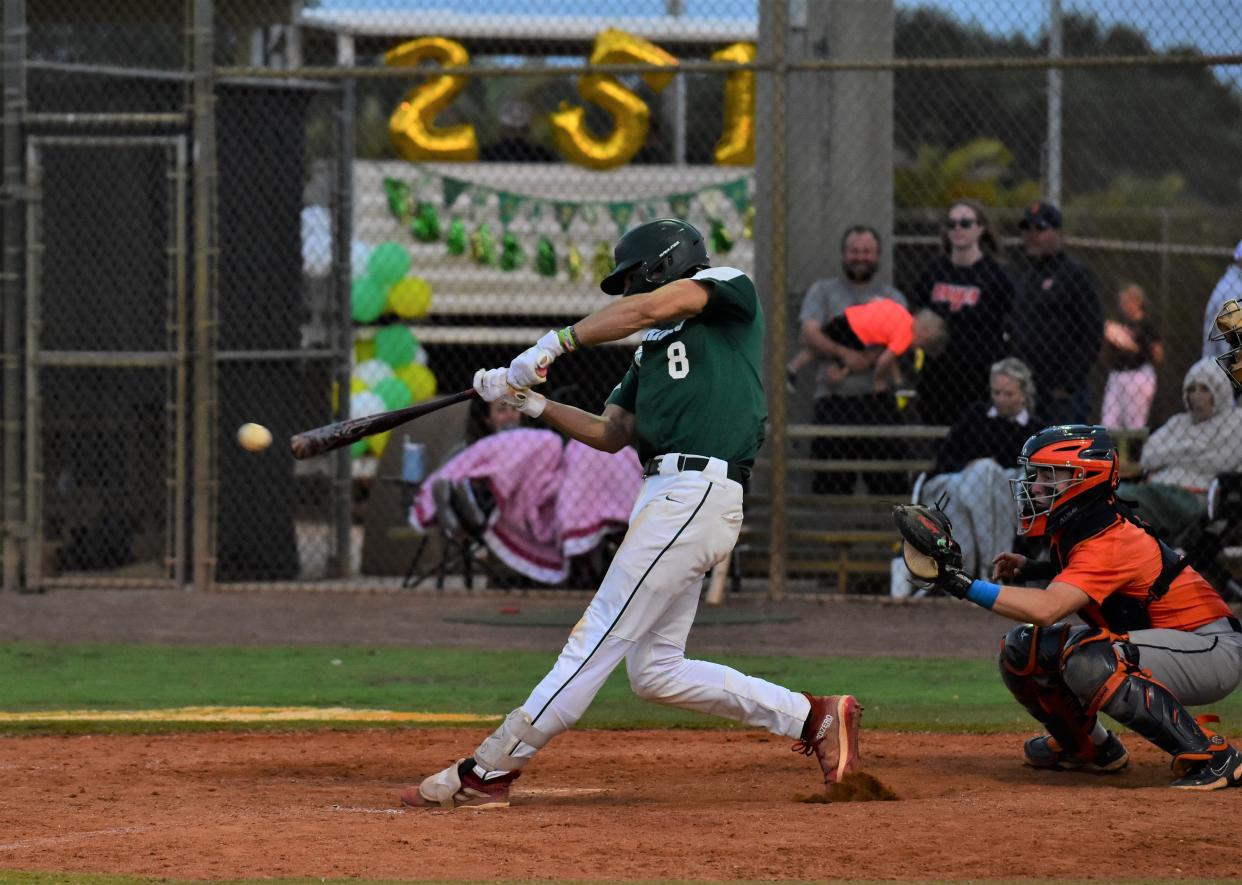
(604, 805)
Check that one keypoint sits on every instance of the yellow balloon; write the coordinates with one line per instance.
(630, 114)
(364, 349)
(737, 144)
(420, 380)
(357, 385)
(377, 442)
(411, 128)
(410, 298)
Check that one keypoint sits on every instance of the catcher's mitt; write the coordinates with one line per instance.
(928, 546)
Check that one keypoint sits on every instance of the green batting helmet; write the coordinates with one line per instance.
(662, 251)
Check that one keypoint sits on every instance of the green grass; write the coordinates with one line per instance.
(899, 693)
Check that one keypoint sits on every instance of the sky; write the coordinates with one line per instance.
(1215, 26)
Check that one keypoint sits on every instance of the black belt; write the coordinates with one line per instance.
(692, 462)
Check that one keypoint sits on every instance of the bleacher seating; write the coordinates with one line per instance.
(846, 543)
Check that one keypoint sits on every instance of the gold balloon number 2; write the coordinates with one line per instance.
(414, 134)
(411, 128)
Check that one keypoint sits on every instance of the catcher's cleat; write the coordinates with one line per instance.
(1217, 768)
(459, 787)
(831, 733)
(1043, 751)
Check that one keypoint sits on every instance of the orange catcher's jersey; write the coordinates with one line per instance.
(1125, 559)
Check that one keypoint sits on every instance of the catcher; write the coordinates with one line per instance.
(1157, 635)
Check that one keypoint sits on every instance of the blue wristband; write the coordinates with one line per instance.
(982, 593)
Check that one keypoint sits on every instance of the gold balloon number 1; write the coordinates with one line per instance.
(414, 134)
(737, 145)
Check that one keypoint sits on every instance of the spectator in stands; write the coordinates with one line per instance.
(1134, 350)
(514, 144)
(1182, 457)
(975, 463)
(848, 396)
(1229, 288)
(970, 289)
(484, 419)
(1058, 321)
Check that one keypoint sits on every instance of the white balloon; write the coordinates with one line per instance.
(316, 241)
(372, 372)
(420, 356)
(365, 403)
(359, 254)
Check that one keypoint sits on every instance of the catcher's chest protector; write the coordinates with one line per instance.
(1119, 613)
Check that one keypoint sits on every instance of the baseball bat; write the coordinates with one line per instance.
(310, 443)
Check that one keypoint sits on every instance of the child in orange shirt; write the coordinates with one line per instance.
(881, 322)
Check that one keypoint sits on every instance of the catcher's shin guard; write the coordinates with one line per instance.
(1030, 667)
(1104, 672)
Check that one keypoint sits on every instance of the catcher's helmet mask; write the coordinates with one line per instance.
(1078, 463)
(1228, 328)
(653, 254)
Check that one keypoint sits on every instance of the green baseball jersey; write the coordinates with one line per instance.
(696, 386)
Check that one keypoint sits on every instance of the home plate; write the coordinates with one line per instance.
(350, 810)
(562, 791)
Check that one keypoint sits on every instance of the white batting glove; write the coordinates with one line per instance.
(493, 384)
(530, 367)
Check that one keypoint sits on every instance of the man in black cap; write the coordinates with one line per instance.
(1058, 322)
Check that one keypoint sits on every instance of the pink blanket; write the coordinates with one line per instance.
(553, 500)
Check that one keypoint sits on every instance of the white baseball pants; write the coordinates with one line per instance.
(682, 524)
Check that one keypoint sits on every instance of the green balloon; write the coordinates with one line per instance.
(367, 297)
(395, 345)
(511, 255)
(545, 258)
(456, 239)
(388, 263)
(426, 224)
(358, 449)
(394, 393)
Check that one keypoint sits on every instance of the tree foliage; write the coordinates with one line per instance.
(1122, 124)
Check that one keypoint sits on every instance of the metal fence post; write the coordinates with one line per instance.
(777, 286)
(10, 285)
(204, 389)
(342, 237)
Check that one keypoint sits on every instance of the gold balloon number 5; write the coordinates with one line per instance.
(630, 114)
(411, 128)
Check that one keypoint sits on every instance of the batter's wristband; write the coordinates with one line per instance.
(983, 593)
(569, 339)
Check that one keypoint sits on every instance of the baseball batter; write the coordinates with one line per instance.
(692, 404)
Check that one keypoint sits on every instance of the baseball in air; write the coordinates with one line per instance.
(254, 437)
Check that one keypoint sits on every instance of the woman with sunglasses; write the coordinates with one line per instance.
(969, 288)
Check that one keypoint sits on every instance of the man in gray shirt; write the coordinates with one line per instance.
(848, 394)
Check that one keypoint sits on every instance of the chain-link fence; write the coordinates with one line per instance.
(284, 213)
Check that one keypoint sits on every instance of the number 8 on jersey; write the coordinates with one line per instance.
(678, 362)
